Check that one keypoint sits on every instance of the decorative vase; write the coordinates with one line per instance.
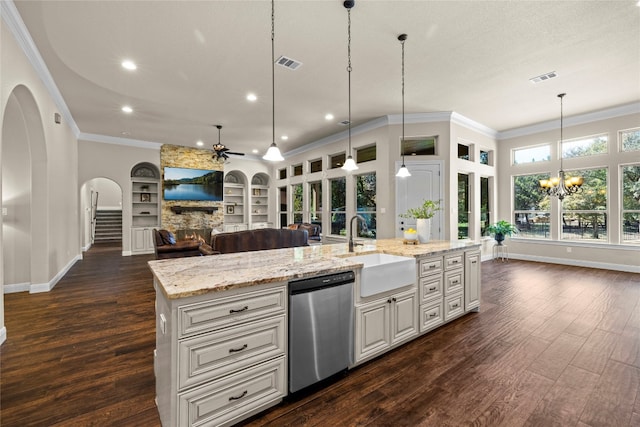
(423, 226)
(499, 238)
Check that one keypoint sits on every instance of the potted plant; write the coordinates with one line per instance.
(501, 229)
(423, 214)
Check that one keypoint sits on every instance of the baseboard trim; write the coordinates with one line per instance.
(46, 287)
(577, 263)
(3, 335)
(16, 287)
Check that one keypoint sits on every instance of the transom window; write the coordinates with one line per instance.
(366, 154)
(540, 153)
(337, 160)
(297, 170)
(315, 165)
(419, 146)
(630, 139)
(581, 147)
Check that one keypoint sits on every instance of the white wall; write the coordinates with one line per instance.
(109, 194)
(54, 169)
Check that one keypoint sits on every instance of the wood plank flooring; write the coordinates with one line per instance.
(551, 346)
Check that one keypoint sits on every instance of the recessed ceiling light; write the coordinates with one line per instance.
(127, 109)
(284, 137)
(252, 97)
(328, 117)
(254, 151)
(129, 65)
(199, 143)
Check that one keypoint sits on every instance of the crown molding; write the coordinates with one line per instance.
(12, 18)
(594, 116)
(92, 137)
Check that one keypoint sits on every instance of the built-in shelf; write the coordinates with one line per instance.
(179, 209)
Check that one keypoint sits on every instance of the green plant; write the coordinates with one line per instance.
(503, 228)
(426, 211)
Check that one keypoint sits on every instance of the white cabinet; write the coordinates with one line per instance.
(472, 281)
(142, 240)
(259, 206)
(234, 205)
(145, 202)
(384, 323)
(220, 357)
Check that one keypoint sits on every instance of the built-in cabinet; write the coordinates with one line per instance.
(145, 206)
(220, 360)
(385, 322)
(245, 206)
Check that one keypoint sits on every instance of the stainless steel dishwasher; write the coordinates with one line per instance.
(321, 315)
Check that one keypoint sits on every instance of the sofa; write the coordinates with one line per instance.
(257, 240)
(314, 230)
(166, 246)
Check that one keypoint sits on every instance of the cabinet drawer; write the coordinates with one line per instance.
(206, 357)
(453, 306)
(223, 401)
(227, 311)
(430, 288)
(453, 281)
(430, 265)
(430, 316)
(453, 261)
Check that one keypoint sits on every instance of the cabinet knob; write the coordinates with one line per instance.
(389, 301)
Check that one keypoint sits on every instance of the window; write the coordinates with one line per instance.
(630, 140)
(338, 208)
(584, 214)
(631, 204)
(283, 173)
(584, 146)
(485, 205)
(463, 205)
(315, 165)
(315, 202)
(531, 206)
(296, 193)
(541, 153)
(463, 152)
(366, 204)
(486, 157)
(297, 170)
(366, 154)
(283, 211)
(419, 146)
(337, 160)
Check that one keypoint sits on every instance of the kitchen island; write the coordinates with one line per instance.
(221, 321)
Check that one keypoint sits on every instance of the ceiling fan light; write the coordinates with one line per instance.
(350, 165)
(403, 172)
(273, 154)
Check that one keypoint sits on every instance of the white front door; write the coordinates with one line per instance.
(424, 183)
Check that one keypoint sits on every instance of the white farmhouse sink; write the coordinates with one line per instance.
(383, 272)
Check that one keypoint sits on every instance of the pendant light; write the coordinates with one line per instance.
(273, 153)
(558, 186)
(403, 172)
(350, 164)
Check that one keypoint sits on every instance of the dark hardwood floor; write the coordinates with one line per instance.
(551, 346)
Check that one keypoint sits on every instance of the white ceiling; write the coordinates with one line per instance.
(197, 60)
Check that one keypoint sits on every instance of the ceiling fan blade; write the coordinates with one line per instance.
(233, 152)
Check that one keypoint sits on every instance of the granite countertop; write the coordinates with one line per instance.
(185, 277)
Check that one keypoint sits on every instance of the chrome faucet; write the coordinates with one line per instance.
(356, 217)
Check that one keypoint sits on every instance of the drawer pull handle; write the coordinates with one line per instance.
(454, 305)
(245, 308)
(433, 315)
(454, 282)
(455, 261)
(432, 289)
(432, 266)
(244, 393)
(473, 262)
(235, 350)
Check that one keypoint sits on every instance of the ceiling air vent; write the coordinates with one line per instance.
(289, 63)
(543, 77)
(344, 122)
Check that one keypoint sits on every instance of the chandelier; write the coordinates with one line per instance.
(559, 186)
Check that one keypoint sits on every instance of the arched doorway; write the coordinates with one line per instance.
(101, 204)
(24, 195)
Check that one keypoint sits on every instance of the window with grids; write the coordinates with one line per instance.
(630, 140)
(282, 204)
(338, 195)
(631, 204)
(584, 214)
(296, 194)
(531, 207)
(315, 202)
(366, 204)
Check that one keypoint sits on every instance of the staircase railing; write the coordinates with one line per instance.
(94, 211)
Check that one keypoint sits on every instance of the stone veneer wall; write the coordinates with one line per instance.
(185, 157)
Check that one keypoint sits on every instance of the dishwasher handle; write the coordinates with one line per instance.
(321, 282)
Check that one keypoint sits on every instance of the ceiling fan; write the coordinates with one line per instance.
(220, 151)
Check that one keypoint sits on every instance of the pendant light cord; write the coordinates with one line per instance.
(561, 96)
(402, 142)
(273, 75)
(349, 71)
